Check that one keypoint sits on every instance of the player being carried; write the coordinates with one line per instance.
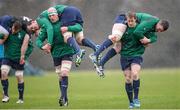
(119, 28)
(71, 19)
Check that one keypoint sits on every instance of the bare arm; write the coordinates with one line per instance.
(145, 41)
(24, 48)
(149, 38)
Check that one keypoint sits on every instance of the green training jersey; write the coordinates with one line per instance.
(147, 24)
(46, 24)
(13, 46)
(131, 46)
(59, 47)
(144, 16)
(60, 8)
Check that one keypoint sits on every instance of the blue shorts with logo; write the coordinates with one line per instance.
(127, 61)
(121, 19)
(58, 60)
(70, 16)
(13, 63)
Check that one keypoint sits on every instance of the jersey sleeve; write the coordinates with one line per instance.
(45, 23)
(147, 24)
(143, 28)
(75, 28)
(152, 36)
(44, 14)
(60, 8)
(41, 38)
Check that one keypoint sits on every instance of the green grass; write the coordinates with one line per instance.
(159, 89)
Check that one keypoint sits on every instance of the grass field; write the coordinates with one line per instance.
(160, 88)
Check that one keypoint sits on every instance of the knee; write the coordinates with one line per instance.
(66, 67)
(135, 75)
(114, 38)
(67, 35)
(118, 30)
(64, 73)
(58, 71)
(4, 71)
(117, 47)
(79, 37)
(128, 78)
(19, 76)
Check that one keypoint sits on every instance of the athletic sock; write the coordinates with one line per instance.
(5, 85)
(104, 45)
(21, 90)
(111, 53)
(89, 43)
(129, 91)
(136, 85)
(64, 86)
(72, 43)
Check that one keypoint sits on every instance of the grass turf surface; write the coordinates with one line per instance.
(159, 90)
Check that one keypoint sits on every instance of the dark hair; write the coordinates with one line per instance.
(29, 22)
(17, 25)
(165, 24)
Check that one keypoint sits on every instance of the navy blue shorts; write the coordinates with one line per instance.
(70, 16)
(58, 60)
(121, 19)
(127, 61)
(13, 63)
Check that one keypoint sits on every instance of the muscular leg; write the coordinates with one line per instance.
(117, 32)
(70, 40)
(20, 79)
(85, 41)
(4, 78)
(135, 69)
(128, 84)
(63, 72)
(111, 53)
